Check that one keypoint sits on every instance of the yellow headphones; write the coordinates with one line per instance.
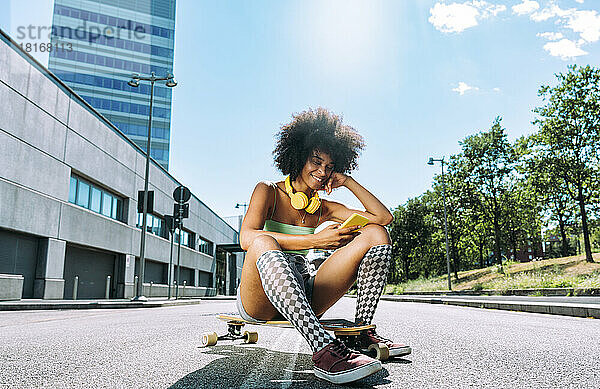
(300, 199)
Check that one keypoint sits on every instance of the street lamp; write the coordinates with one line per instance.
(135, 82)
(245, 205)
(430, 162)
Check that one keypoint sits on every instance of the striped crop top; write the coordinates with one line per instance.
(290, 229)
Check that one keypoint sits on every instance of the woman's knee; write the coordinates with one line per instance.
(375, 234)
(262, 244)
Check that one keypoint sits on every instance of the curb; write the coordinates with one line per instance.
(512, 292)
(62, 305)
(564, 309)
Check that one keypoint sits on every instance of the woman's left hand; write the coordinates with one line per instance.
(335, 181)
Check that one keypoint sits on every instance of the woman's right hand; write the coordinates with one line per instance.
(332, 237)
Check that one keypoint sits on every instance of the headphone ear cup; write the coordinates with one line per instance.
(299, 200)
(314, 204)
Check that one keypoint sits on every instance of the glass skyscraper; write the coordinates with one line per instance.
(99, 44)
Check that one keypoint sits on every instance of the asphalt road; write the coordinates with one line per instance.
(453, 347)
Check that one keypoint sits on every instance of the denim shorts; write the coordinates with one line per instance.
(302, 273)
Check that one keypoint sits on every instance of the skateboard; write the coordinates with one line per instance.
(344, 330)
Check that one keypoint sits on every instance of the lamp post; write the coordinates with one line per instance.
(135, 82)
(430, 162)
(245, 205)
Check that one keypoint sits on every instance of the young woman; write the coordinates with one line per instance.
(316, 151)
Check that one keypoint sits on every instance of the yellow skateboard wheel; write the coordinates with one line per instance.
(250, 337)
(381, 351)
(209, 339)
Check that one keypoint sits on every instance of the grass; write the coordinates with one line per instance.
(568, 272)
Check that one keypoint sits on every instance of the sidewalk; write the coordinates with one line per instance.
(588, 307)
(153, 302)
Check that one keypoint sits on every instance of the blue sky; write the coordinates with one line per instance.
(414, 77)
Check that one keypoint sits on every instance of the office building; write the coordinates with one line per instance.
(99, 44)
(68, 201)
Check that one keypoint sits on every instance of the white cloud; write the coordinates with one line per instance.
(457, 17)
(488, 9)
(453, 17)
(565, 49)
(549, 12)
(526, 7)
(586, 23)
(579, 1)
(551, 36)
(463, 87)
(496, 89)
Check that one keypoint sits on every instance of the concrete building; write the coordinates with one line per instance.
(68, 200)
(99, 44)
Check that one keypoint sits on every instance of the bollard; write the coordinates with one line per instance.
(107, 292)
(150, 291)
(135, 285)
(183, 291)
(176, 289)
(75, 285)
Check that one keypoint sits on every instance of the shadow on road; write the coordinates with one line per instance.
(257, 367)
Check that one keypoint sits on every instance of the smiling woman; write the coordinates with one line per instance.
(316, 152)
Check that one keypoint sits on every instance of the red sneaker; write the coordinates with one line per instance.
(338, 364)
(396, 349)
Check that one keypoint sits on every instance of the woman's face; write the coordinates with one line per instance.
(317, 170)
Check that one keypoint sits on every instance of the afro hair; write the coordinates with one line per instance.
(316, 130)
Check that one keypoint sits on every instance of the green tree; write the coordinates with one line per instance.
(489, 164)
(549, 189)
(569, 136)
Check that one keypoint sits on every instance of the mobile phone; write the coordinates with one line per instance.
(354, 220)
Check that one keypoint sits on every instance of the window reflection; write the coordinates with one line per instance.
(94, 198)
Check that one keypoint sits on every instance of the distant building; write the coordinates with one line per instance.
(99, 44)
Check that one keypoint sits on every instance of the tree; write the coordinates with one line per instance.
(489, 164)
(409, 232)
(569, 136)
(549, 189)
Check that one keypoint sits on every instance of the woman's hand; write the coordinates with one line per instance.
(335, 181)
(332, 237)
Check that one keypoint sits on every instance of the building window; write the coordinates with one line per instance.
(94, 198)
(83, 194)
(154, 225)
(204, 246)
(187, 238)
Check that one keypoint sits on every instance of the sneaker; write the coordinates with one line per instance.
(338, 364)
(396, 349)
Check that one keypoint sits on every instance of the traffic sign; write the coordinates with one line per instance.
(181, 211)
(140, 203)
(182, 194)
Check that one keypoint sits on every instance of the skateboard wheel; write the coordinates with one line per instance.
(380, 351)
(250, 337)
(209, 339)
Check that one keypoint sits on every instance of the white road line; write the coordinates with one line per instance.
(288, 342)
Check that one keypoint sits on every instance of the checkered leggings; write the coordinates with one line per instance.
(282, 284)
(372, 277)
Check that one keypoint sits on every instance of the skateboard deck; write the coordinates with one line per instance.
(344, 330)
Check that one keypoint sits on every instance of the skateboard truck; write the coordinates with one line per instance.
(234, 332)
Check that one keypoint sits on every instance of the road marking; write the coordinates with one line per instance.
(288, 342)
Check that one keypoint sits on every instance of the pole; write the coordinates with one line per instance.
(446, 227)
(179, 243)
(140, 288)
(169, 283)
(178, 261)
